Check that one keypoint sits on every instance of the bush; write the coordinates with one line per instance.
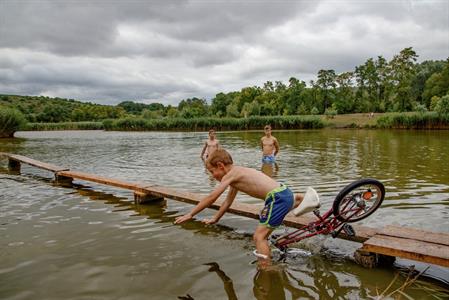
(429, 120)
(11, 120)
(442, 106)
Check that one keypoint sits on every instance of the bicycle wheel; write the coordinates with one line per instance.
(358, 200)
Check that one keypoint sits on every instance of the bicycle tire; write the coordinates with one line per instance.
(345, 196)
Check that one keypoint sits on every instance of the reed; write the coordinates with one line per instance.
(428, 120)
(64, 126)
(204, 124)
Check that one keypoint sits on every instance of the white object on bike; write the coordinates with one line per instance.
(310, 202)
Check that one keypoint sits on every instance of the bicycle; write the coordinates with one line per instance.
(353, 203)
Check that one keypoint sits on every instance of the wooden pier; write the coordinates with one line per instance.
(380, 245)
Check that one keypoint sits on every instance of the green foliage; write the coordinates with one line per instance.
(278, 122)
(442, 106)
(64, 126)
(330, 112)
(314, 111)
(429, 120)
(11, 120)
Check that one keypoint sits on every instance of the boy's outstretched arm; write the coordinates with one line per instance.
(224, 207)
(205, 202)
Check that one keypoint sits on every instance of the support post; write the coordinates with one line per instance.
(13, 165)
(372, 260)
(63, 180)
(141, 198)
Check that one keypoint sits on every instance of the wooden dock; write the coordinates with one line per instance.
(378, 244)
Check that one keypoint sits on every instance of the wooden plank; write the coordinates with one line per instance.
(416, 234)
(408, 248)
(99, 179)
(35, 163)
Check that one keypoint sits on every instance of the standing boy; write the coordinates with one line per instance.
(279, 199)
(270, 146)
(210, 145)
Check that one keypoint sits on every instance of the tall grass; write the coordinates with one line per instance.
(201, 124)
(429, 120)
(64, 126)
(11, 120)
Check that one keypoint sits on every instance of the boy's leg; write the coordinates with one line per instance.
(261, 240)
(298, 199)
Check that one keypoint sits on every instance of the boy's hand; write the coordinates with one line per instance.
(183, 218)
(210, 221)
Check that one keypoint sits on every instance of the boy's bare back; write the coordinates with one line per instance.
(250, 181)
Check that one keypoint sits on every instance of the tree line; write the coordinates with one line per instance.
(378, 85)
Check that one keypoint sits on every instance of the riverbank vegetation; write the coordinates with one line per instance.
(375, 87)
(204, 124)
(11, 120)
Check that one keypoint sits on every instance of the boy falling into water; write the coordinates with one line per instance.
(279, 199)
(210, 145)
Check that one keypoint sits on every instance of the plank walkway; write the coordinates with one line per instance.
(409, 243)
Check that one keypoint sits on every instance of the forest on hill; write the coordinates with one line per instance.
(377, 85)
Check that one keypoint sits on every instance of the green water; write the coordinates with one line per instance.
(92, 242)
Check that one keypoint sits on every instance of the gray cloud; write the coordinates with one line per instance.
(166, 51)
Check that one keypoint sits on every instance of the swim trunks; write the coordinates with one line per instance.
(278, 203)
(268, 159)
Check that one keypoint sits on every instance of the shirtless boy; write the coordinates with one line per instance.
(210, 145)
(270, 146)
(279, 199)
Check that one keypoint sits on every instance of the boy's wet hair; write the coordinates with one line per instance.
(211, 130)
(219, 155)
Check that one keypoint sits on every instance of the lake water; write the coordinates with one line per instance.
(92, 242)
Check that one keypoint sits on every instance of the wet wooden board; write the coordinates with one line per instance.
(410, 243)
(32, 162)
(416, 234)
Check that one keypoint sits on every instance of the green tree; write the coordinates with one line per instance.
(402, 73)
(326, 87)
(437, 84)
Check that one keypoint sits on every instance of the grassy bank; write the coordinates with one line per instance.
(410, 120)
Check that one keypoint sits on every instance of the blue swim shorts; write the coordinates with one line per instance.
(278, 203)
(268, 159)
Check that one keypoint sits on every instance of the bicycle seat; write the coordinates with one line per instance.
(309, 203)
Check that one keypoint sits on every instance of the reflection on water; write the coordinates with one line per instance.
(270, 169)
(93, 242)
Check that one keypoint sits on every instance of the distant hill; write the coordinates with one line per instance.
(55, 110)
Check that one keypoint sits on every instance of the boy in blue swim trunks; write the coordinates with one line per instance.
(270, 146)
(279, 199)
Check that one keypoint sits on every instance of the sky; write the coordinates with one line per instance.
(165, 51)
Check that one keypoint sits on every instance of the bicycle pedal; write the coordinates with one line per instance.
(349, 230)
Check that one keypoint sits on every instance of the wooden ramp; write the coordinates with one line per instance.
(414, 244)
(395, 241)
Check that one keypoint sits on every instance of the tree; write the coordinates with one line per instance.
(326, 87)
(220, 102)
(437, 84)
(402, 72)
(193, 108)
(344, 100)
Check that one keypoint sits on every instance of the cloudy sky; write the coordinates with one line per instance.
(165, 51)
